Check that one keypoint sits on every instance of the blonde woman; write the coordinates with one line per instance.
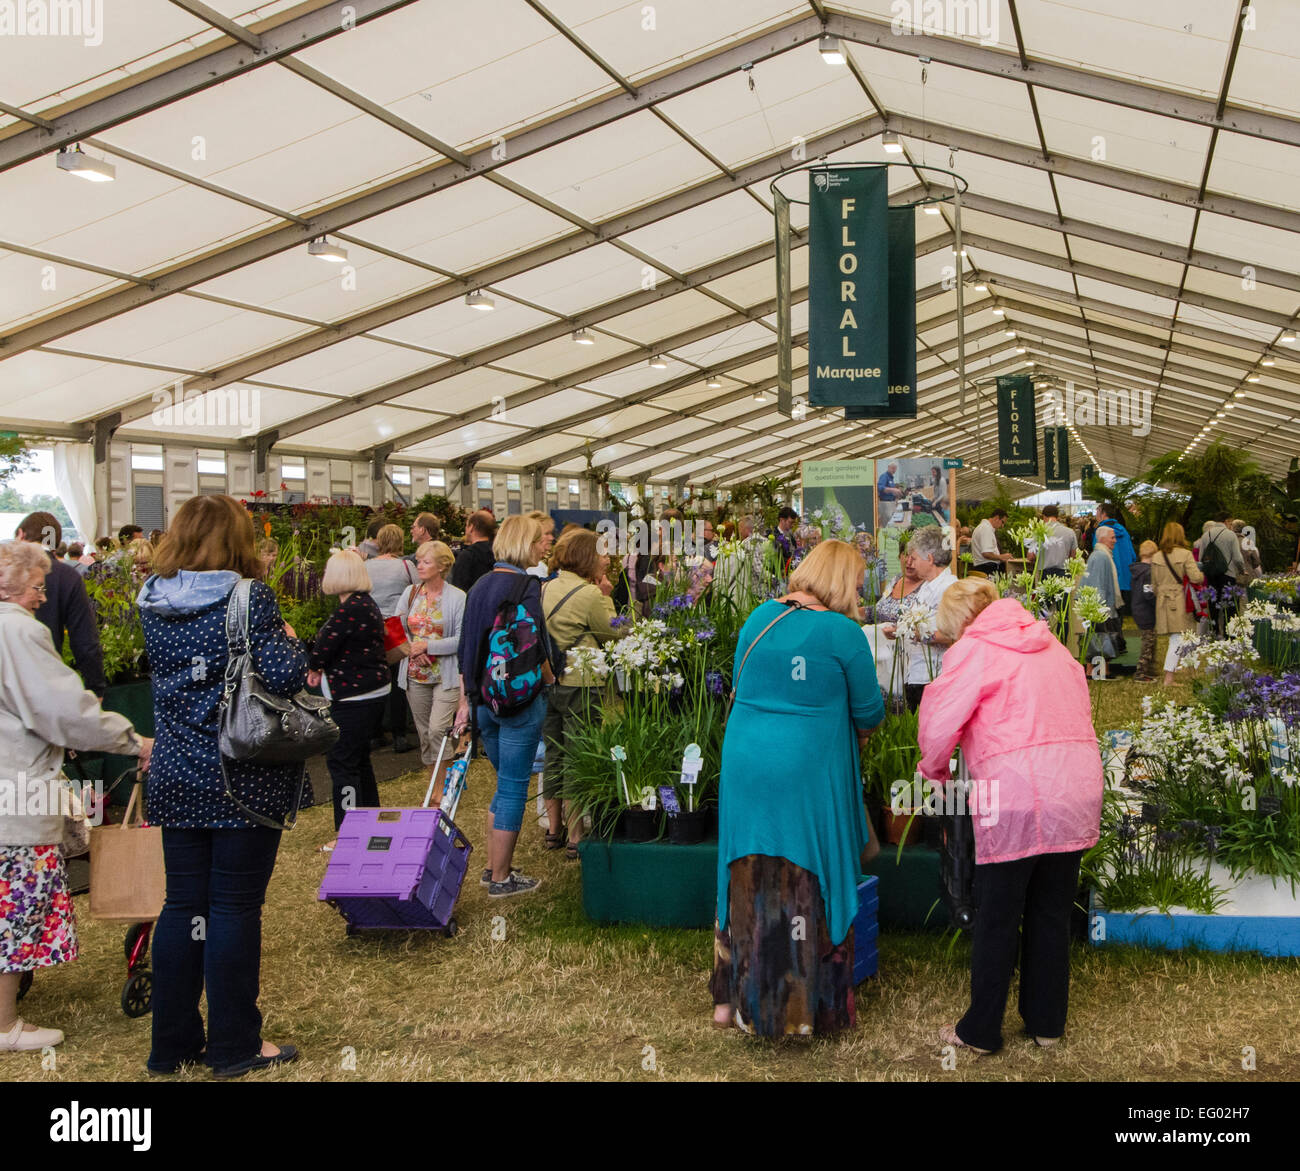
(509, 738)
(542, 568)
(390, 576)
(791, 834)
(1169, 566)
(432, 611)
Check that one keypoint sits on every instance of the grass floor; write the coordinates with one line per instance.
(530, 990)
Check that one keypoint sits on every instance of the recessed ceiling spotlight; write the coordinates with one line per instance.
(999, 312)
(1287, 338)
(713, 382)
(931, 209)
(1253, 378)
(1268, 362)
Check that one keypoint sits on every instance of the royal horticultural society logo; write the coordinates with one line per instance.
(54, 18)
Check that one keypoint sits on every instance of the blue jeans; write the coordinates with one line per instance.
(511, 743)
(210, 934)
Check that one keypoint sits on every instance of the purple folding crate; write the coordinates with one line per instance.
(397, 869)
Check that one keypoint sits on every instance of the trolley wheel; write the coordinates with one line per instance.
(25, 983)
(137, 994)
(451, 928)
(133, 933)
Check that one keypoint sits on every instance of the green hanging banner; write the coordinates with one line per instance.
(848, 287)
(1056, 457)
(1086, 473)
(902, 321)
(1017, 428)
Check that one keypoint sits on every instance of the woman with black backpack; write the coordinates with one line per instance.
(505, 666)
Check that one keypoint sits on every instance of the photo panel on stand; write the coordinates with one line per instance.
(910, 493)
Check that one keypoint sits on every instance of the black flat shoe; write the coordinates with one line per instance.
(287, 1054)
(403, 745)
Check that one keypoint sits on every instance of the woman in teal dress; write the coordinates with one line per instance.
(792, 829)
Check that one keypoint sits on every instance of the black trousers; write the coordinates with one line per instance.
(398, 709)
(351, 773)
(989, 567)
(1023, 908)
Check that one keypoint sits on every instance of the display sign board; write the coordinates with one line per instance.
(848, 287)
(1017, 429)
(838, 496)
(1087, 472)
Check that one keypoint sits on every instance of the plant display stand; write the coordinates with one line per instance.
(655, 883)
(1257, 917)
(908, 888)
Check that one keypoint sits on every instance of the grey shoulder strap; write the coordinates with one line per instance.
(237, 608)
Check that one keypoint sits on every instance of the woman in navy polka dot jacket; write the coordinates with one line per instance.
(218, 861)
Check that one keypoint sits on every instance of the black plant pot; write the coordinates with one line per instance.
(688, 828)
(639, 825)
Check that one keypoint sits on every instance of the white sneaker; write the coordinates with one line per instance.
(18, 1040)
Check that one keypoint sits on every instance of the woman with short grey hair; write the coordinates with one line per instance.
(44, 708)
(928, 554)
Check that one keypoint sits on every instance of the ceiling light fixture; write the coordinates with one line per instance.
(1287, 338)
(999, 312)
(831, 50)
(583, 337)
(713, 382)
(324, 250)
(981, 288)
(891, 142)
(1268, 362)
(84, 167)
(478, 299)
(659, 362)
(931, 209)
(1253, 378)
(760, 396)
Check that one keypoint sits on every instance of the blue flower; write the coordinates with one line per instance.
(705, 635)
(619, 621)
(714, 681)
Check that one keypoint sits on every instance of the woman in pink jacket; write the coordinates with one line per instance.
(1016, 701)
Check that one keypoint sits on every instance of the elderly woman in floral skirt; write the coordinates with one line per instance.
(43, 709)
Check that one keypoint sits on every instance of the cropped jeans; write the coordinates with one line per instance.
(511, 744)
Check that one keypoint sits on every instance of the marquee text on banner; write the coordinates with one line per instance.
(1017, 426)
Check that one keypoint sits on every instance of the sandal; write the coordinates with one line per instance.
(555, 841)
(948, 1036)
(571, 852)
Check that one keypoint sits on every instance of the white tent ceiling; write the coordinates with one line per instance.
(1132, 214)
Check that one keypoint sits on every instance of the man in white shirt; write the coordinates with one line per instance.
(930, 557)
(984, 552)
(1060, 545)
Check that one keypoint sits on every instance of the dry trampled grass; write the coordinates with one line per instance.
(553, 996)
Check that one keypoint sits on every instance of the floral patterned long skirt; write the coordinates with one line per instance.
(38, 926)
(775, 965)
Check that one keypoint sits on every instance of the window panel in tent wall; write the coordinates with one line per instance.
(636, 160)
(1174, 43)
(180, 479)
(31, 287)
(463, 227)
(239, 473)
(794, 95)
(454, 70)
(581, 281)
(362, 489)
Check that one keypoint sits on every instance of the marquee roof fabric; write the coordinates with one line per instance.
(587, 164)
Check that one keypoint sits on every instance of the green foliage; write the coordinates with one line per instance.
(112, 587)
(450, 514)
(1017, 514)
(14, 458)
(892, 754)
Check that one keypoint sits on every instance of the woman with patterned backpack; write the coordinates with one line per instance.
(505, 664)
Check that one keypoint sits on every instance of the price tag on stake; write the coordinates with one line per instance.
(692, 763)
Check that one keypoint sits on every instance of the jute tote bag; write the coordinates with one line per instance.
(127, 881)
